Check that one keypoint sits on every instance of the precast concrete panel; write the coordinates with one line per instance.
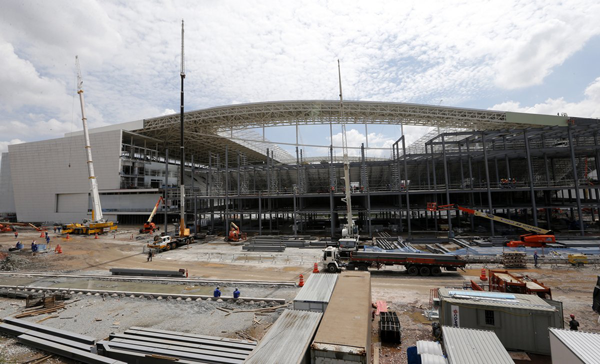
(7, 199)
(40, 171)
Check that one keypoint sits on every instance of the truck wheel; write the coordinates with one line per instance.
(413, 270)
(173, 245)
(436, 271)
(141, 230)
(363, 267)
(425, 271)
(331, 268)
(350, 267)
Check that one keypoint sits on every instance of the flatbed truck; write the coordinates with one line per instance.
(423, 264)
(167, 242)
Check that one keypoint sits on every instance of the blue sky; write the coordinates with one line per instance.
(534, 56)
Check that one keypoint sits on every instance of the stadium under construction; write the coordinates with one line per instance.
(525, 167)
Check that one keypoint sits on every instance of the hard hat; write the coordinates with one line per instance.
(572, 316)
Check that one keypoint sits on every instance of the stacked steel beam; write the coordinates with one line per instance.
(60, 342)
(148, 346)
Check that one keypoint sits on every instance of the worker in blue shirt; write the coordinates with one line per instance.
(236, 293)
(217, 293)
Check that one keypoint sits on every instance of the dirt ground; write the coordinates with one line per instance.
(214, 259)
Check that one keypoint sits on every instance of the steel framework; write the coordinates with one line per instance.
(206, 129)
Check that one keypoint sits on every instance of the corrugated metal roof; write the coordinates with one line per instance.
(521, 301)
(585, 345)
(347, 321)
(429, 347)
(318, 288)
(288, 339)
(432, 359)
(467, 346)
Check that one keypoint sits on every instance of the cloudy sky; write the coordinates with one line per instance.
(530, 56)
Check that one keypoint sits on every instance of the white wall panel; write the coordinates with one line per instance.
(42, 170)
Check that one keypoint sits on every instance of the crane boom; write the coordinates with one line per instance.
(96, 207)
(155, 209)
(434, 207)
(348, 198)
(182, 230)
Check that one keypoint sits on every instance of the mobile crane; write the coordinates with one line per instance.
(349, 232)
(149, 226)
(97, 225)
(537, 237)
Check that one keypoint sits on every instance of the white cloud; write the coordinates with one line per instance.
(588, 107)
(167, 112)
(408, 51)
(5, 143)
(377, 140)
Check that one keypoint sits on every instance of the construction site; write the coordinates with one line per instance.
(192, 238)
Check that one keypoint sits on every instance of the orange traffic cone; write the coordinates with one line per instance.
(483, 276)
(58, 249)
(301, 283)
(96, 236)
(186, 273)
(68, 237)
(41, 234)
(316, 268)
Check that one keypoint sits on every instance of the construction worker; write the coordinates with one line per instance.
(149, 256)
(217, 293)
(236, 293)
(34, 247)
(573, 324)
(16, 234)
(535, 258)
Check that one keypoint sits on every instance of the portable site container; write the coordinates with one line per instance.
(316, 293)
(574, 347)
(288, 339)
(344, 335)
(521, 321)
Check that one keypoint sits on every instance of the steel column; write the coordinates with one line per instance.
(576, 179)
(487, 177)
(408, 211)
(447, 183)
(530, 170)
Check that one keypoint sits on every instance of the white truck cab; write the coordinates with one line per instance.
(162, 243)
(330, 259)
